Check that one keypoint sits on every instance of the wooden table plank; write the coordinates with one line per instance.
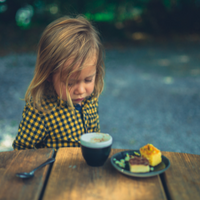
(183, 177)
(71, 178)
(11, 162)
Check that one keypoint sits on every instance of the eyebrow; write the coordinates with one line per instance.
(91, 75)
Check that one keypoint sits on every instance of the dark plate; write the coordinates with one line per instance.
(163, 166)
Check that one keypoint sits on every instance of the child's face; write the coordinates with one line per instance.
(79, 88)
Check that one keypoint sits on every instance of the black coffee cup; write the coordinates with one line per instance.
(96, 148)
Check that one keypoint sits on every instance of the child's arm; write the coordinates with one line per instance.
(31, 132)
(97, 127)
(94, 125)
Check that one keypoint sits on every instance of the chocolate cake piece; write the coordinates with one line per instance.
(139, 165)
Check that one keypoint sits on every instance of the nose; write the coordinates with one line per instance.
(80, 88)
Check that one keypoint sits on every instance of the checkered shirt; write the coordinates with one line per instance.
(61, 127)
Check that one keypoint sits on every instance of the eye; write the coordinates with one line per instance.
(70, 84)
(88, 80)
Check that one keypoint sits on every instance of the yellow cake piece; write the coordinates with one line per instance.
(152, 154)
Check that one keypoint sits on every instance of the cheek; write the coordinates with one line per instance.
(60, 88)
(91, 87)
(63, 91)
(71, 91)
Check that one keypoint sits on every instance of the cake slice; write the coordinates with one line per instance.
(139, 165)
(152, 154)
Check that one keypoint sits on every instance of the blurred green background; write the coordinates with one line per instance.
(118, 21)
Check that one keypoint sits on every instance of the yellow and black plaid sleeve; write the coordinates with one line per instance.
(31, 130)
(61, 127)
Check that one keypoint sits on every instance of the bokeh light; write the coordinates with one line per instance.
(3, 8)
(53, 9)
(24, 15)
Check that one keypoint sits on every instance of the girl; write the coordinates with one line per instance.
(62, 98)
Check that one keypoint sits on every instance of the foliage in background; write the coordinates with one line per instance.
(158, 17)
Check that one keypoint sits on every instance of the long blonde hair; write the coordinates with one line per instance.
(64, 39)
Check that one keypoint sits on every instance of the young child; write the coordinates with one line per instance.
(62, 98)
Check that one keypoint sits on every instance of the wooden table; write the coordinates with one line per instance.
(71, 178)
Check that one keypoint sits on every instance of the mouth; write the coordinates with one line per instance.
(78, 100)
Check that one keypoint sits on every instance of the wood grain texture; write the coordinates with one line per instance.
(182, 179)
(71, 178)
(11, 162)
